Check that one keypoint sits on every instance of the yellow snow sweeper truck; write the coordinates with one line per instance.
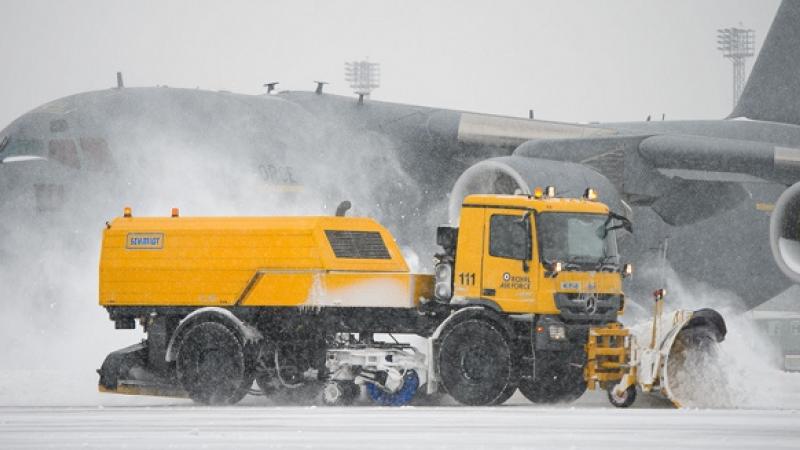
(519, 286)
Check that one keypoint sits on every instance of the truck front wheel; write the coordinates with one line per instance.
(475, 363)
(211, 365)
(557, 381)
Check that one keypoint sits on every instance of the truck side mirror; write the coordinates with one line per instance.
(627, 270)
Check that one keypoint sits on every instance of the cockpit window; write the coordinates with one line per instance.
(65, 152)
(58, 125)
(49, 197)
(17, 146)
(96, 154)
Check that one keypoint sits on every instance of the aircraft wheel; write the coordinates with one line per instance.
(475, 363)
(211, 365)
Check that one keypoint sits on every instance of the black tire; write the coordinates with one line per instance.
(211, 365)
(622, 401)
(557, 381)
(507, 393)
(339, 393)
(266, 383)
(475, 363)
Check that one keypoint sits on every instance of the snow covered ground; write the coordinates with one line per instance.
(62, 409)
(513, 426)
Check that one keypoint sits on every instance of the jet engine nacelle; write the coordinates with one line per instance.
(518, 174)
(784, 232)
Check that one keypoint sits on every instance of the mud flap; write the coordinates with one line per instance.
(118, 365)
(125, 371)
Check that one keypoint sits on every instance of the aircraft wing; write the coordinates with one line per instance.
(689, 157)
(705, 158)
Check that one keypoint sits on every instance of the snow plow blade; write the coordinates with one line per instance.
(679, 364)
(690, 372)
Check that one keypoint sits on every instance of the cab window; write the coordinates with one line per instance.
(507, 237)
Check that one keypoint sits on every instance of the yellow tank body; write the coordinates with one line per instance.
(255, 261)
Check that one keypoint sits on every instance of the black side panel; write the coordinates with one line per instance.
(772, 92)
(421, 320)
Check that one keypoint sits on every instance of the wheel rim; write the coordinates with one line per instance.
(619, 398)
(332, 393)
(473, 364)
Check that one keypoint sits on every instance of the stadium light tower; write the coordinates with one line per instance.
(363, 76)
(736, 44)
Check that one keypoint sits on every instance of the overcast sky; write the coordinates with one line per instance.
(568, 60)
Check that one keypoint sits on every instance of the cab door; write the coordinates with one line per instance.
(507, 274)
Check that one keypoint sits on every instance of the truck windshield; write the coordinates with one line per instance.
(579, 240)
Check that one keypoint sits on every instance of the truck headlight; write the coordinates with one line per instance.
(443, 291)
(557, 332)
(443, 273)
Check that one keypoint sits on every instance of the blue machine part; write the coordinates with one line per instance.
(403, 396)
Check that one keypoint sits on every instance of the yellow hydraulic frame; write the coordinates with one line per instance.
(608, 355)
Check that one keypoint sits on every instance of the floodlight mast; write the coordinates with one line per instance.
(363, 76)
(737, 44)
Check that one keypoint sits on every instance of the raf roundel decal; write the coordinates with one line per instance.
(506, 276)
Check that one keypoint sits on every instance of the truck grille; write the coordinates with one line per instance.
(586, 307)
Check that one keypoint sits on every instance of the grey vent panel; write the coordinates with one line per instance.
(357, 244)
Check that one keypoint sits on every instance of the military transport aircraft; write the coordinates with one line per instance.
(722, 192)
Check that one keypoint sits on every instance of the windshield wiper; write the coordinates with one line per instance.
(582, 260)
(606, 262)
(565, 265)
(578, 262)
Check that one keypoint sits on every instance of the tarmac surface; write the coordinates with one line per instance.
(505, 427)
(58, 409)
(61, 408)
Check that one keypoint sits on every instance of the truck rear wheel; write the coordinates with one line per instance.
(211, 365)
(475, 363)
